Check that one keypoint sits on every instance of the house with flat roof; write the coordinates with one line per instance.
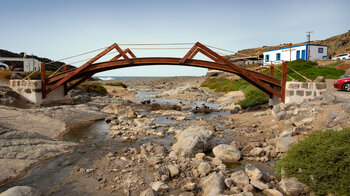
(22, 64)
(306, 51)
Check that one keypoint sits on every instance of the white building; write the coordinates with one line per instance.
(22, 64)
(307, 51)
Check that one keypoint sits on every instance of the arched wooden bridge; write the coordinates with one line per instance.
(268, 84)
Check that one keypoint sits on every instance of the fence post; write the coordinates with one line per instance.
(284, 81)
(272, 70)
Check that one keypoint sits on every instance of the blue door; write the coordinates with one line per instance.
(303, 54)
(298, 54)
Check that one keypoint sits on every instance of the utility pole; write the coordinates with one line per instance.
(308, 37)
(290, 51)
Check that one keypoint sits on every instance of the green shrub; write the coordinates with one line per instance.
(321, 161)
(92, 87)
(253, 95)
(117, 84)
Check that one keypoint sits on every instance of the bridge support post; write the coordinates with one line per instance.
(43, 81)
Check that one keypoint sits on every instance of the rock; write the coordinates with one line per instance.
(20, 191)
(291, 187)
(248, 188)
(272, 192)
(89, 170)
(228, 182)
(187, 194)
(189, 186)
(256, 152)
(259, 185)
(193, 140)
(243, 194)
(154, 160)
(240, 179)
(253, 172)
(172, 154)
(334, 118)
(204, 168)
(213, 184)
(180, 118)
(216, 161)
(174, 170)
(284, 143)
(159, 186)
(329, 98)
(227, 153)
(200, 156)
(320, 79)
(346, 108)
(280, 116)
(148, 192)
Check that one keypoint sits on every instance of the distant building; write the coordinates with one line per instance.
(22, 64)
(307, 51)
(252, 60)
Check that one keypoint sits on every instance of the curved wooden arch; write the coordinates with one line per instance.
(263, 82)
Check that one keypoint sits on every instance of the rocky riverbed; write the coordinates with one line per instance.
(165, 141)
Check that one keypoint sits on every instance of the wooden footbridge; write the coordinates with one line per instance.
(126, 58)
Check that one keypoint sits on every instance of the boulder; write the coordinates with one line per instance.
(291, 187)
(174, 170)
(334, 118)
(253, 172)
(213, 184)
(193, 140)
(259, 185)
(148, 192)
(227, 153)
(329, 98)
(272, 192)
(256, 152)
(159, 186)
(320, 79)
(284, 143)
(240, 179)
(204, 168)
(20, 191)
(346, 108)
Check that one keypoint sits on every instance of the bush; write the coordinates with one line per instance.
(253, 95)
(92, 87)
(117, 84)
(321, 161)
(5, 74)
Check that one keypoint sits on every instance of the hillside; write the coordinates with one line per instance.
(50, 67)
(336, 45)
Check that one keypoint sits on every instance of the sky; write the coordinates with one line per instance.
(57, 29)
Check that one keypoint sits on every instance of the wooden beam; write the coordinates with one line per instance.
(80, 81)
(75, 71)
(122, 53)
(272, 70)
(189, 53)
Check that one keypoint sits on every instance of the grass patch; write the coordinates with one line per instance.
(308, 69)
(253, 95)
(117, 84)
(321, 161)
(92, 87)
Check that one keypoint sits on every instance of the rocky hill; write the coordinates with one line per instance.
(50, 67)
(337, 44)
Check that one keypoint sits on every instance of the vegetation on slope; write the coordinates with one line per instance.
(117, 84)
(321, 161)
(309, 69)
(92, 87)
(253, 96)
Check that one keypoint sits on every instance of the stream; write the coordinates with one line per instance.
(94, 142)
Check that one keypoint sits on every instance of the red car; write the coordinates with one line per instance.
(343, 83)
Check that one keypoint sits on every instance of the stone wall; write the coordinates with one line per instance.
(299, 91)
(31, 90)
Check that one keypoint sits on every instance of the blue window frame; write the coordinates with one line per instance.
(278, 56)
(303, 54)
(320, 50)
(298, 54)
(267, 58)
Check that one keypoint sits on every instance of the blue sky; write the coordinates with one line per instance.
(57, 29)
